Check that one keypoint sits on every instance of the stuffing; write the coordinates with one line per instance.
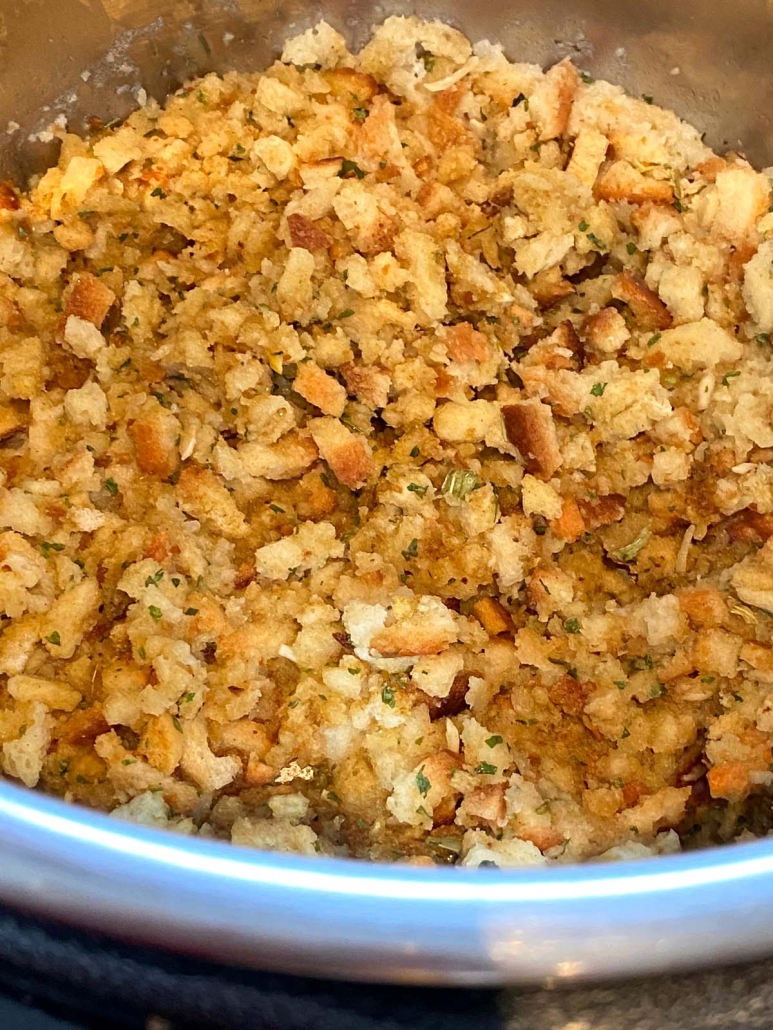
(202, 494)
(385, 464)
(646, 307)
(310, 548)
(590, 149)
(320, 389)
(88, 298)
(738, 199)
(681, 290)
(206, 770)
(347, 453)
(606, 331)
(530, 427)
(23, 755)
(700, 344)
(622, 181)
(87, 406)
(540, 498)
(758, 286)
(83, 337)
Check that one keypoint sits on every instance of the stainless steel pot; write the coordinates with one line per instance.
(708, 60)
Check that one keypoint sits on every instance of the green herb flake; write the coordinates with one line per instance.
(583, 226)
(128, 761)
(572, 626)
(277, 509)
(415, 452)
(646, 98)
(294, 703)
(707, 679)
(620, 684)
(388, 696)
(176, 723)
(191, 611)
(350, 168)
(416, 489)
(598, 389)
(494, 740)
(728, 376)
(629, 552)
(597, 243)
(428, 60)
(458, 483)
(46, 547)
(626, 733)
(175, 581)
(346, 313)
(658, 690)
(111, 486)
(653, 339)
(486, 769)
(155, 579)
(55, 639)
(422, 783)
(763, 338)
(412, 550)
(543, 809)
(154, 612)
(187, 698)
(360, 113)
(631, 248)
(586, 78)
(158, 192)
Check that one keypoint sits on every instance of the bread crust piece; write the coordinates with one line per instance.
(621, 181)
(648, 309)
(89, 298)
(530, 427)
(307, 234)
(347, 453)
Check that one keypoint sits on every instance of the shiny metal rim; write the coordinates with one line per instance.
(394, 923)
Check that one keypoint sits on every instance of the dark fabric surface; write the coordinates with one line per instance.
(55, 978)
(97, 982)
(739, 998)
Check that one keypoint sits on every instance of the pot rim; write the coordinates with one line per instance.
(380, 922)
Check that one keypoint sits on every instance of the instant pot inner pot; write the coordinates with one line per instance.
(79, 59)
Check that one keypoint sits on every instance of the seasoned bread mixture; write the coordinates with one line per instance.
(386, 463)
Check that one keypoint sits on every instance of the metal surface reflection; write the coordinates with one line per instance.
(379, 922)
(342, 918)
